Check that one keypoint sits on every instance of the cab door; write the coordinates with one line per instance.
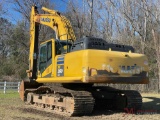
(45, 60)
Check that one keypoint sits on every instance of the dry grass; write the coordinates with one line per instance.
(12, 108)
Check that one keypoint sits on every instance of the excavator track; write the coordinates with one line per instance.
(79, 102)
(62, 101)
(84, 104)
(115, 99)
(134, 99)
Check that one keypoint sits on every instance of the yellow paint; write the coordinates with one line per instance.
(47, 71)
(32, 42)
(103, 61)
(77, 65)
(59, 80)
(59, 23)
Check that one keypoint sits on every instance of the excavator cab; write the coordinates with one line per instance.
(47, 53)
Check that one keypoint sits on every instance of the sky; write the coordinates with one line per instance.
(60, 5)
(14, 16)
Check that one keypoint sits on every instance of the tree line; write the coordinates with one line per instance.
(128, 22)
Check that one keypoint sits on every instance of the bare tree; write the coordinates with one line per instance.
(2, 11)
(76, 16)
(143, 17)
(24, 8)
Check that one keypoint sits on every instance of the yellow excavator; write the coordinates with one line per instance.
(77, 65)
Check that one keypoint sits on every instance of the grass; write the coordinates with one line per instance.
(9, 95)
(12, 108)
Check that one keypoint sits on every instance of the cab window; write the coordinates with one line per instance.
(49, 51)
(43, 54)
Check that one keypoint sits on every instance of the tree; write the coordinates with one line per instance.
(129, 22)
(144, 19)
(5, 30)
(24, 8)
(14, 49)
(19, 47)
(2, 11)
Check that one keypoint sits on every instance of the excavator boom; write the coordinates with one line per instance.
(54, 20)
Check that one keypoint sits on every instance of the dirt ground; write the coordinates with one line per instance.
(12, 108)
